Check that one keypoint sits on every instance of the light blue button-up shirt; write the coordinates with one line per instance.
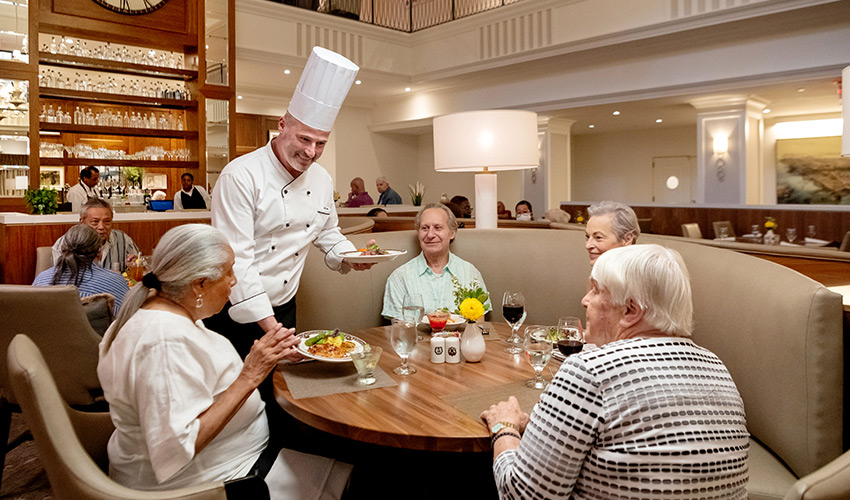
(415, 276)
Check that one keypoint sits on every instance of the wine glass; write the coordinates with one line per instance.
(791, 234)
(403, 340)
(413, 309)
(538, 351)
(513, 309)
(570, 336)
(811, 232)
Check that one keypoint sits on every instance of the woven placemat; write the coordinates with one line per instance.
(472, 403)
(310, 380)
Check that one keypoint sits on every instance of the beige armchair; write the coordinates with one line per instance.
(830, 482)
(53, 317)
(72, 444)
(691, 230)
(718, 224)
(43, 259)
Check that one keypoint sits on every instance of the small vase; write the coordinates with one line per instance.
(770, 238)
(472, 343)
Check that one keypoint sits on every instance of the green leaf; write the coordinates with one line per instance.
(483, 297)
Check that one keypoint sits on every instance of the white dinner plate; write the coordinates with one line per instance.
(359, 346)
(454, 321)
(356, 257)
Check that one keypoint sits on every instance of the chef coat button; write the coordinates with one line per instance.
(285, 191)
(272, 248)
(296, 254)
(308, 192)
(287, 224)
(285, 282)
(308, 225)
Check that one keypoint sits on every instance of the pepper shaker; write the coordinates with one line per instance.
(452, 349)
(438, 349)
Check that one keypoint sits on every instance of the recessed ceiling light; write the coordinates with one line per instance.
(616, 113)
(357, 82)
(239, 97)
(407, 89)
(591, 126)
(801, 89)
(658, 120)
(766, 110)
(286, 72)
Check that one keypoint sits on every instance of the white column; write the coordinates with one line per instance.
(549, 184)
(736, 176)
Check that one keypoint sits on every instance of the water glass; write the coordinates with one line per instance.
(413, 309)
(724, 232)
(811, 232)
(791, 234)
(403, 340)
(513, 309)
(538, 350)
(366, 363)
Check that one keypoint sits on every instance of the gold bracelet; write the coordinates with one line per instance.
(502, 434)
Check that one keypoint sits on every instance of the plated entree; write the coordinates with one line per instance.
(330, 344)
(372, 248)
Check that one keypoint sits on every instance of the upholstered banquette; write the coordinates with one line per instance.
(779, 332)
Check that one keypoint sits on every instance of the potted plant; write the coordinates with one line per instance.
(416, 193)
(42, 201)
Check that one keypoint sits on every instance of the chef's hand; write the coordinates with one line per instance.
(361, 267)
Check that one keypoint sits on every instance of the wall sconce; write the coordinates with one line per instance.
(845, 112)
(721, 148)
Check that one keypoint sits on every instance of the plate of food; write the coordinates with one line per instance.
(454, 321)
(372, 254)
(333, 346)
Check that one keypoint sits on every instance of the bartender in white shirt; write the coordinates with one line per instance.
(85, 189)
(191, 196)
(274, 202)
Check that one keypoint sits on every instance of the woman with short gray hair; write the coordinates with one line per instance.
(185, 407)
(610, 225)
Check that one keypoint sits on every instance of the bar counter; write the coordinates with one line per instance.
(21, 234)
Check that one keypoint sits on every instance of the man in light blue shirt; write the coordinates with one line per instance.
(430, 273)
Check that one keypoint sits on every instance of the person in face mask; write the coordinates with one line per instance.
(523, 210)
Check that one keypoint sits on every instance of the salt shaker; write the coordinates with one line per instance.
(452, 349)
(438, 349)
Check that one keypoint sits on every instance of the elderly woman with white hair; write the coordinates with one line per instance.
(647, 415)
(185, 407)
(610, 225)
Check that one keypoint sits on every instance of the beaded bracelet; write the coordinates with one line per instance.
(502, 434)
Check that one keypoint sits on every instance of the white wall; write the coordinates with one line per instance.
(618, 166)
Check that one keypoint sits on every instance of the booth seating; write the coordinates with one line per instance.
(778, 332)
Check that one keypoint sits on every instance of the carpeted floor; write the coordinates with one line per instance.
(23, 475)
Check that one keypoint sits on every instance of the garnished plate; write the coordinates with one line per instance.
(454, 321)
(359, 346)
(356, 257)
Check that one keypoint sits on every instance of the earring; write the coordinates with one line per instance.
(199, 303)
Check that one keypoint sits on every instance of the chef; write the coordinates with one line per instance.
(274, 202)
(85, 189)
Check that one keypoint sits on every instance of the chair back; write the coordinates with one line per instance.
(830, 482)
(730, 231)
(845, 243)
(691, 230)
(43, 259)
(72, 472)
(53, 318)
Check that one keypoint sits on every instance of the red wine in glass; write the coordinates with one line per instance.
(512, 313)
(570, 347)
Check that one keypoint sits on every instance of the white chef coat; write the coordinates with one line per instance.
(270, 218)
(79, 193)
(178, 197)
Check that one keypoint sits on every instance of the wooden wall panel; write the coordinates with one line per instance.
(830, 225)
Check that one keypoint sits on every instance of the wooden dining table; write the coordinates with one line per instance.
(415, 414)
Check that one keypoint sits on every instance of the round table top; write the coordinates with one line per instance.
(414, 414)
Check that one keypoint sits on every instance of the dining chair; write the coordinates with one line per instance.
(730, 231)
(845, 243)
(691, 230)
(43, 259)
(72, 444)
(53, 317)
(830, 482)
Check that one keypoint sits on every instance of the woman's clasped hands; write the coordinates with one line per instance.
(276, 345)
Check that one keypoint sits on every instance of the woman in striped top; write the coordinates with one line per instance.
(647, 415)
(76, 266)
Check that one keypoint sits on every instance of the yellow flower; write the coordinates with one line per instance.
(471, 309)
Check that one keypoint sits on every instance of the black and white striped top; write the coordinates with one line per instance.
(656, 418)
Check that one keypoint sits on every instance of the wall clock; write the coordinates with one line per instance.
(131, 7)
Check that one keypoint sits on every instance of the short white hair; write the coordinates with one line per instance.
(623, 219)
(653, 276)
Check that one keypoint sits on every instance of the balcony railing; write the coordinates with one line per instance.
(402, 15)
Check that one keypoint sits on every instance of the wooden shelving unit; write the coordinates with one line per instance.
(88, 63)
(122, 131)
(104, 162)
